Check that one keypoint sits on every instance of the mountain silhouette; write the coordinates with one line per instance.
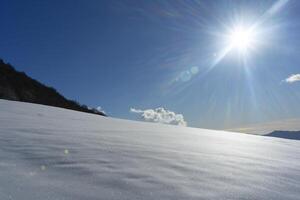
(18, 86)
(294, 135)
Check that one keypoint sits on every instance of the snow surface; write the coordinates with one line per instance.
(53, 153)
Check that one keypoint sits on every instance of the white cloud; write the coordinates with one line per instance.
(160, 115)
(293, 78)
(100, 109)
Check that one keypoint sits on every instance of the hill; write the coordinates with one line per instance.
(54, 153)
(295, 135)
(18, 86)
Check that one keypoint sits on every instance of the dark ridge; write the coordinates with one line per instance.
(294, 135)
(18, 86)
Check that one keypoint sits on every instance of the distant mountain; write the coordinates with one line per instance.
(18, 86)
(294, 135)
(263, 128)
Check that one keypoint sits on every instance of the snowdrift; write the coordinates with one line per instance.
(59, 154)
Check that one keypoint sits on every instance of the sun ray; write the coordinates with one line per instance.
(243, 38)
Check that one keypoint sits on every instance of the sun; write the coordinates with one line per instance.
(241, 38)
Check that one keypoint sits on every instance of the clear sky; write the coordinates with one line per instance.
(185, 56)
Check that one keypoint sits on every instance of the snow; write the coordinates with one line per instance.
(53, 153)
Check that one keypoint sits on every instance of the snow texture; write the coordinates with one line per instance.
(57, 154)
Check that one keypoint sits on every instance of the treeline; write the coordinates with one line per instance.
(18, 86)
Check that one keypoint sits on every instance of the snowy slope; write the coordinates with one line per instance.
(52, 153)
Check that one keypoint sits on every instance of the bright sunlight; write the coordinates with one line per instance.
(242, 38)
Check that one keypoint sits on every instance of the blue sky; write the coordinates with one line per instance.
(148, 54)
